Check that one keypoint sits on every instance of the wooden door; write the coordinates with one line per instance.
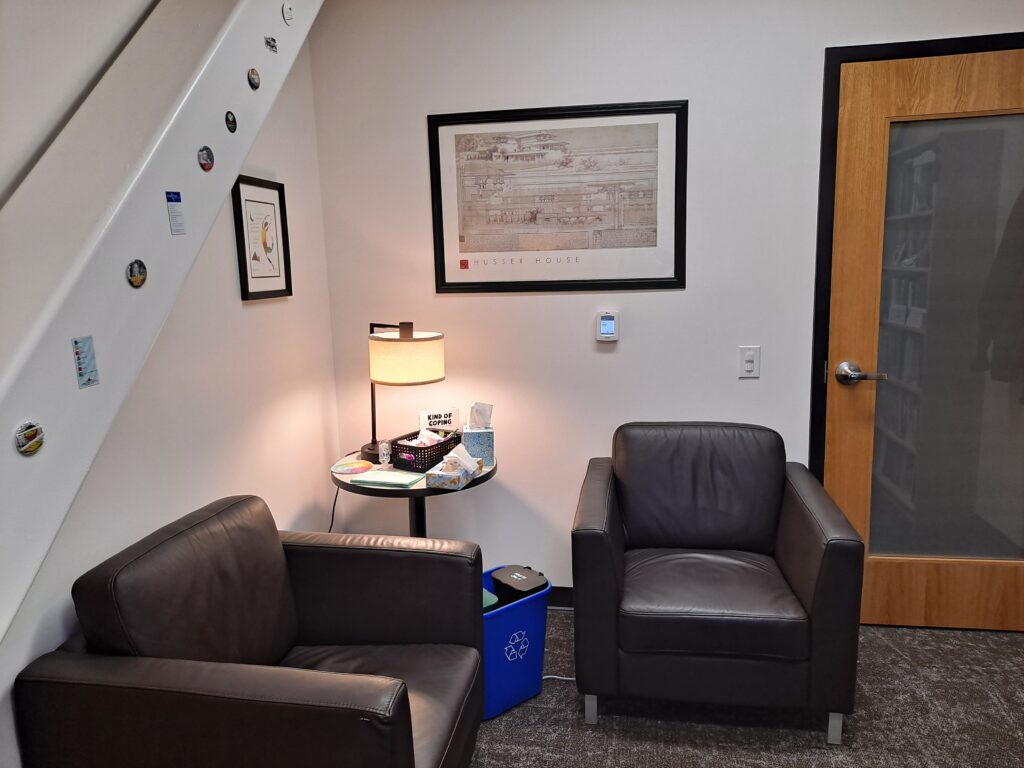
(928, 287)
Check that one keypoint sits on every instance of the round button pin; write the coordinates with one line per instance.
(288, 13)
(136, 273)
(230, 121)
(254, 78)
(28, 438)
(205, 157)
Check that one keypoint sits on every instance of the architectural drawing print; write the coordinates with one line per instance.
(558, 189)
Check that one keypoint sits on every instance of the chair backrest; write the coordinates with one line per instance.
(212, 586)
(699, 485)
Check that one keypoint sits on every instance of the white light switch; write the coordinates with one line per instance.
(750, 362)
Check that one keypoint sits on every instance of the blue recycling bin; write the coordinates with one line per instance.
(513, 650)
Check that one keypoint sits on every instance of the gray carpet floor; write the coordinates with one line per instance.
(925, 698)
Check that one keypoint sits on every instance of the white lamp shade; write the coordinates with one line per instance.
(401, 362)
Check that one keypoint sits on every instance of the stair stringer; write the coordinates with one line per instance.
(93, 203)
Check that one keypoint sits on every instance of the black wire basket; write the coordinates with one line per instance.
(420, 458)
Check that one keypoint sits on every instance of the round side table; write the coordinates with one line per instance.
(416, 494)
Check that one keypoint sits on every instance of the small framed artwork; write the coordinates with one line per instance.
(584, 198)
(261, 232)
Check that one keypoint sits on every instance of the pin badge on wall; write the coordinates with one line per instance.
(28, 438)
(254, 78)
(136, 273)
(287, 13)
(230, 121)
(271, 44)
(205, 157)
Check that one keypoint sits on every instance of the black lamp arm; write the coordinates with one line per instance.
(404, 328)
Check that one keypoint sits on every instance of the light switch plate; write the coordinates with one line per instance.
(750, 362)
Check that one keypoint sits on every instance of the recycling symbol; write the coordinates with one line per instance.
(517, 646)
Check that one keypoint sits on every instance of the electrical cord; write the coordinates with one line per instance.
(334, 506)
(559, 677)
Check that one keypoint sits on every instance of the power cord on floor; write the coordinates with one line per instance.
(559, 677)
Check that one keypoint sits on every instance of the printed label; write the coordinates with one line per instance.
(85, 362)
(175, 213)
(446, 420)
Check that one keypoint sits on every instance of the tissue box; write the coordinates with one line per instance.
(449, 481)
(480, 444)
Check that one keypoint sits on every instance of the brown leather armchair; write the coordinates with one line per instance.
(207, 644)
(707, 569)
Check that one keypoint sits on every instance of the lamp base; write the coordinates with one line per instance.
(370, 453)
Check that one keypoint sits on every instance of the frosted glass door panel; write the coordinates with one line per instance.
(948, 468)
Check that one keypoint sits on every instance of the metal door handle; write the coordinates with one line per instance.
(848, 372)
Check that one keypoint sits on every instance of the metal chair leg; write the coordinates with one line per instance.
(835, 728)
(590, 709)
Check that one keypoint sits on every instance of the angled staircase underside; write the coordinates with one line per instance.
(96, 201)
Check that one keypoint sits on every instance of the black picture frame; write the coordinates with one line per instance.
(247, 193)
(551, 115)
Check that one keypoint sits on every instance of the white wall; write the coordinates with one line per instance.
(752, 72)
(234, 398)
(42, 84)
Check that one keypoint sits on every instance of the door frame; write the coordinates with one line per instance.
(834, 59)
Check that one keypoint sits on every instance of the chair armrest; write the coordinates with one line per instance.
(822, 558)
(355, 589)
(598, 550)
(92, 711)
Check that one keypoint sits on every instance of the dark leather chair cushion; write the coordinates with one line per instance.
(710, 602)
(212, 586)
(444, 682)
(699, 485)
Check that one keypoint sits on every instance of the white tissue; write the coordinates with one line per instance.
(459, 458)
(426, 437)
(480, 416)
(423, 439)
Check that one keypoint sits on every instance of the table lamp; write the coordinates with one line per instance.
(400, 358)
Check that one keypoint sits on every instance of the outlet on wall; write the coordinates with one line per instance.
(750, 362)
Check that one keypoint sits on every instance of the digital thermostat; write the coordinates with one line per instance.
(608, 325)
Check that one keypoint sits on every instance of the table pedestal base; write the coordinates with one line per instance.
(418, 516)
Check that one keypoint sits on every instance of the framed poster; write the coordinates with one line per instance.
(261, 233)
(560, 198)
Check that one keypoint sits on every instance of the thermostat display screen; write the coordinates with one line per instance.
(607, 325)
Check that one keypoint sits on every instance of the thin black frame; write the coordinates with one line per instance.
(243, 265)
(834, 60)
(676, 282)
